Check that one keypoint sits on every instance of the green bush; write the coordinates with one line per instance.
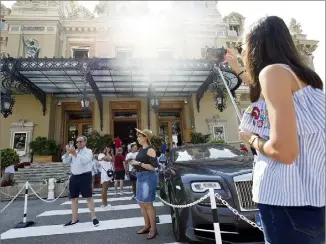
(197, 138)
(98, 142)
(216, 141)
(43, 146)
(156, 142)
(8, 157)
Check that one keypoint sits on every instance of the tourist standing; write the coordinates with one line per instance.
(131, 169)
(107, 173)
(80, 182)
(117, 143)
(286, 125)
(119, 171)
(145, 163)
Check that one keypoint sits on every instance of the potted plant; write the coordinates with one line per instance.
(156, 142)
(216, 141)
(197, 138)
(98, 142)
(8, 157)
(44, 149)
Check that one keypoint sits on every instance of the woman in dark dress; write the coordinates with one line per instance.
(145, 164)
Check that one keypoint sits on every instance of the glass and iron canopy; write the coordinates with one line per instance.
(65, 78)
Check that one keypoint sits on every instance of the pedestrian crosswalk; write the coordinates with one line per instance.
(123, 217)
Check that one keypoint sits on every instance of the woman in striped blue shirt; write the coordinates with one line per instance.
(286, 125)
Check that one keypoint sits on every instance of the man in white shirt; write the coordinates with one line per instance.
(81, 163)
(132, 176)
(9, 173)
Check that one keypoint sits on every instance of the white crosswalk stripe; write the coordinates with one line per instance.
(121, 206)
(114, 199)
(99, 209)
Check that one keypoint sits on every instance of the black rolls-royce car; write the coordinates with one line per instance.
(190, 171)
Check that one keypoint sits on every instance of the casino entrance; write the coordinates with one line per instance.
(125, 118)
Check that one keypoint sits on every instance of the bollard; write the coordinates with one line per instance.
(217, 230)
(51, 189)
(25, 223)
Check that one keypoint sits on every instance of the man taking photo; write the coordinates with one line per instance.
(80, 182)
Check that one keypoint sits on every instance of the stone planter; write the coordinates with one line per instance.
(40, 188)
(43, 159)
(59, 188)
(11, 191)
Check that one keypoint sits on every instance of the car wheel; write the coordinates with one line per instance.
(178, 230)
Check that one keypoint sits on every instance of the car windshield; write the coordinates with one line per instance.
(206, 152)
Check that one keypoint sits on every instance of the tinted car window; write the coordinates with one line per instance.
(206, 152)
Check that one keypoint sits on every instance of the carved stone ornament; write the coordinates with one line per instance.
(295, 27)
(31, 48)
(81, 13)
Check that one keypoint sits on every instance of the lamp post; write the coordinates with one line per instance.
(155, 103)
(220, 99)
(84, 103)
(7, 103)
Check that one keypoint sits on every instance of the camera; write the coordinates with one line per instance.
(216, 54)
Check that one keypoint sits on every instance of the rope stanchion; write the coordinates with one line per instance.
(53, 199)
(25, 223)
(217, 230)
(13, 199)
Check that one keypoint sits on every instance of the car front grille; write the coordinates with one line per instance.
(244, 191)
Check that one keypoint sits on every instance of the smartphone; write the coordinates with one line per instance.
(71, 143)
(220, 53)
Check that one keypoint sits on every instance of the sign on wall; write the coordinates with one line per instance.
(19, 142)
(219, 132)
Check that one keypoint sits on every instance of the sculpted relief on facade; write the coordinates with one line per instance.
(31, 48)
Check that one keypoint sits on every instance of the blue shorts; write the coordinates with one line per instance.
(300, 225)
(81, 184)
(146, 186)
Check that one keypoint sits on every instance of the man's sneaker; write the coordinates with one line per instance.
(96, 222)
(70, 223)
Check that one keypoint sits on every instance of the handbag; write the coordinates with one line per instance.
(109, 172)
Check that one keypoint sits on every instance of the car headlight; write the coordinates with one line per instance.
(204, 186)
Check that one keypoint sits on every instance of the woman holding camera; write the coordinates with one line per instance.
(145, 164)
(107, 174)
(286, 125)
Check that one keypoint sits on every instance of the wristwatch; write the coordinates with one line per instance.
(252, 139)
(140, 164)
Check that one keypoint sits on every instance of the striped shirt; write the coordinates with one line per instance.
(303, 182)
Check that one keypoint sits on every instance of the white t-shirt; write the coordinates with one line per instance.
(10, 169)
(105, 166)
(131, 155)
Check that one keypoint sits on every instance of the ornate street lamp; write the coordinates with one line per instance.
(7, 104)
(220, 99)
(155, 103)
(85, 101)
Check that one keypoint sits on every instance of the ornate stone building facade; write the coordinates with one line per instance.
(123, 30)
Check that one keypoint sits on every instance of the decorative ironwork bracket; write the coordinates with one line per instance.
(85, 66)
(98, 96)
(215, 78)
(13, 79)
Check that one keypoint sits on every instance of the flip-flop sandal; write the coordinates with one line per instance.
(144, 230)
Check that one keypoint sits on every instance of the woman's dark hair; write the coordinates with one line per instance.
(270, 42)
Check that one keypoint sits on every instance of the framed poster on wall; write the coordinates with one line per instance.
(219, 132)
(19, 141)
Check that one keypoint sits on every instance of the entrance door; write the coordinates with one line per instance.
(78, 124)
(124, 124)
(170, 127)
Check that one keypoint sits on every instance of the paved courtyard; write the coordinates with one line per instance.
(117, 226)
